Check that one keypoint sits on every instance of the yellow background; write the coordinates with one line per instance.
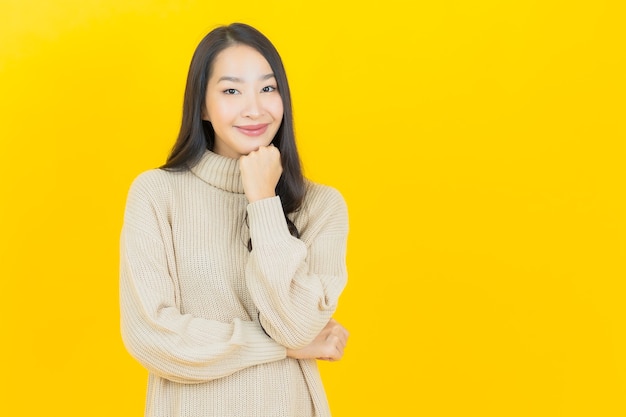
(480, 145)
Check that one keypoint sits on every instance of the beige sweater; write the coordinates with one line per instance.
(197, 307)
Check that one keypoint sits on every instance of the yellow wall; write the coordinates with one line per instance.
(480, 145)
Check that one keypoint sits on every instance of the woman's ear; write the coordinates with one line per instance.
(205, 115)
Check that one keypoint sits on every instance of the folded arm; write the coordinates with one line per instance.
(296, 283)
(175, 346)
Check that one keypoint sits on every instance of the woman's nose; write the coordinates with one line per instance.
(253, 107)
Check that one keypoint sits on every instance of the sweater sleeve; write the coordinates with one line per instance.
(296, 283)
(172, 345)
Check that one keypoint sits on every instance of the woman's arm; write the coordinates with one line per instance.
(175, 346)
(296, 285)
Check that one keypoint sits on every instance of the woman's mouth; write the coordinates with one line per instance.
(253, 130)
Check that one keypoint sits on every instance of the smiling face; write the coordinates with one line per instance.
(242, 101)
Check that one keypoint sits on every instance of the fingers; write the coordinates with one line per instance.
(337, 331)
(329, 345)
(264, 149)
(260, 172)
(336, 340)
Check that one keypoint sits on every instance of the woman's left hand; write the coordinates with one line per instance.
(328, 345)
(260, 172)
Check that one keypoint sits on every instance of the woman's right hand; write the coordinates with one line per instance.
(260, 172)
(328, 345)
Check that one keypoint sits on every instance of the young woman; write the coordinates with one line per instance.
(231, 262)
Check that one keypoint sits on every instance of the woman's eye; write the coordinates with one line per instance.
(230, 91)
(268, 89)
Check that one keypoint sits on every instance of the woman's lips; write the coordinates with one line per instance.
(253, 130)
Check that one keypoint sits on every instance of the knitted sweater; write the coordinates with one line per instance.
(209, 319)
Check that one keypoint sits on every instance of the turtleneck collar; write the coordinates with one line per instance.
(219, 171)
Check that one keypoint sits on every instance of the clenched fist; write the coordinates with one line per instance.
(260, 172)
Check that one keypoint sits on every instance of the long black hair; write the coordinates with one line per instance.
(197, 135)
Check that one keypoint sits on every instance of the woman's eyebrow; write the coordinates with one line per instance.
(240, 80)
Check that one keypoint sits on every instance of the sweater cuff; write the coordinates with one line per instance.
(258, 344)
(267, 221)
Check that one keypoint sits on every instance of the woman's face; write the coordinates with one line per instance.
(242, 101)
